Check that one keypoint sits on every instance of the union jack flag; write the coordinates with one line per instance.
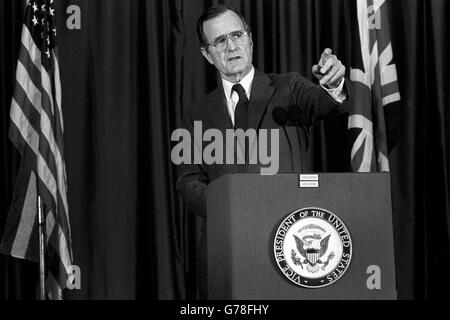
(375, 86)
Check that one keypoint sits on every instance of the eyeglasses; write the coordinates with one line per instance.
(221, 42)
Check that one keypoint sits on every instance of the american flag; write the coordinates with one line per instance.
(37, 132)
(375, 86)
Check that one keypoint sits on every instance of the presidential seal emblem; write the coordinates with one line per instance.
(312, 248)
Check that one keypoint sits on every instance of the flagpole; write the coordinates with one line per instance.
(41, 221)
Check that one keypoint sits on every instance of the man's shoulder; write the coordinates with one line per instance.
(201, 103)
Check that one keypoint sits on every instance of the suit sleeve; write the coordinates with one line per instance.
(312, 103)
(192, 180)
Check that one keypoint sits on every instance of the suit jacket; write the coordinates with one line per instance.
(269, 91)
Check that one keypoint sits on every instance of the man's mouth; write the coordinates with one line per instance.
(234, 58)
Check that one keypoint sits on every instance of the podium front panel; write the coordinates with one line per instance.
(245, 211)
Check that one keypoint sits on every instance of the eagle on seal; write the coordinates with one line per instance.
(312, 254)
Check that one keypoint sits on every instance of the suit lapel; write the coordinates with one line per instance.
(218, 111)
(261, 93)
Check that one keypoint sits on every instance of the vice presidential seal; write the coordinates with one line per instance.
(313, 248)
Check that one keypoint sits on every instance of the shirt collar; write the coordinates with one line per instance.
(246, 83)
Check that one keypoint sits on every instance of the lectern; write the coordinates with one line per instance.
(300, 237)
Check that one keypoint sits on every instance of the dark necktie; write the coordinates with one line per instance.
(241, 111)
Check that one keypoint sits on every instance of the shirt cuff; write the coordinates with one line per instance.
(338, 93)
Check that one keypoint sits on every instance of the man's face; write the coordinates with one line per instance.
(236, 60)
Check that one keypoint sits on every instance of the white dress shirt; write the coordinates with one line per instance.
(232, 96)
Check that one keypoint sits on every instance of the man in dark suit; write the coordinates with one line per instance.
(249, 99)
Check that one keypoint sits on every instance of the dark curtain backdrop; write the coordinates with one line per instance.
(135, 65)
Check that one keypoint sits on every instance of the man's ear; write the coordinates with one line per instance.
(251, 38)
(206, 54)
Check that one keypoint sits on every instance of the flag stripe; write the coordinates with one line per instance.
(31, 48)
(57, 230)
(62, 250)
(27, 132)
(389, 89)
(33, 71)
(32, 92)
(391, 98)
(27, 220)
(47, 86)
(58, 97)
(21, 101)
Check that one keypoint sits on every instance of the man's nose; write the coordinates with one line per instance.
(230, 44)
